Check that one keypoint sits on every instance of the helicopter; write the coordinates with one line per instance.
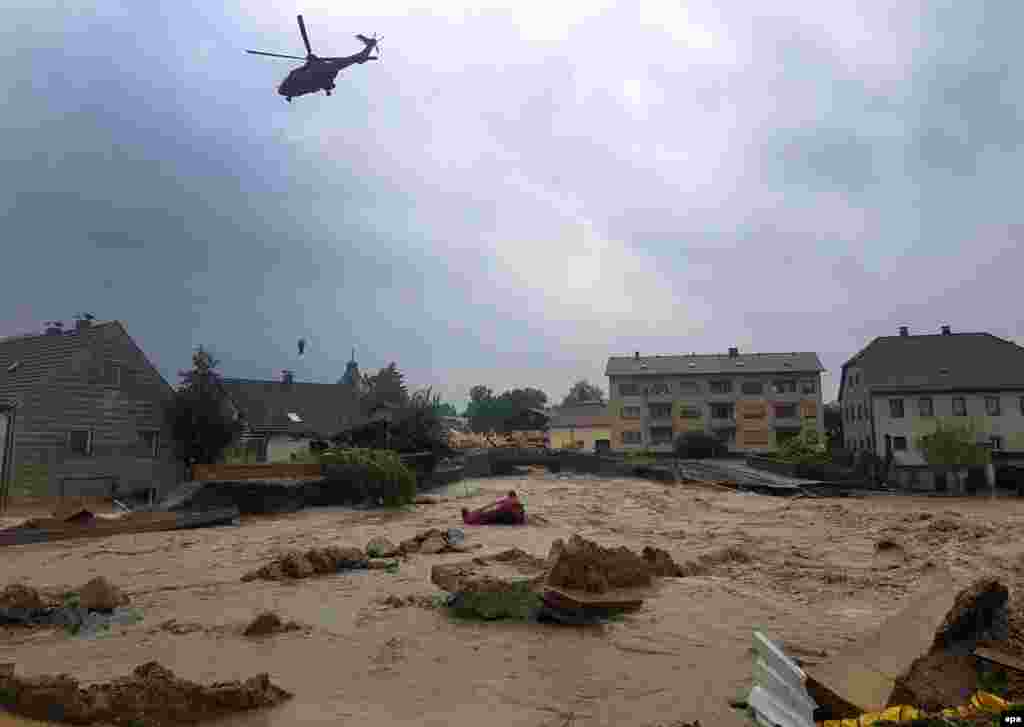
(318, 74)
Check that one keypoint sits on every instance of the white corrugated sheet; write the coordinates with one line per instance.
(779, 696)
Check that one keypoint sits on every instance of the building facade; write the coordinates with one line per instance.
(899, 388)
(752, 402)
(586, 427)
(83, 403)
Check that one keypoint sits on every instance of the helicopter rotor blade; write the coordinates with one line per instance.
(305, 38)
(274, 55)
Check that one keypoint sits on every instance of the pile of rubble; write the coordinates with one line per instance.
(316, 561)
(434, 541)
(152, 695)
(269, 623)
(94, 606)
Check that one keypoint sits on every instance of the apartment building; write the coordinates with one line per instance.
(900, 387)
(751, 401)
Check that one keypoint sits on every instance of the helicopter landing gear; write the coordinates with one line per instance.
(327, 91)
(288, 99)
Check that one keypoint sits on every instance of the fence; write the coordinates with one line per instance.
(274, 471)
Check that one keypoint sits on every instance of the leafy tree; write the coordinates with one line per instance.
(416, 427)
(952, 449)
(480, 393)
(528, 398)
(201, 424)
(490, 414)
(834, 425)
(387, 386)
(583, 392)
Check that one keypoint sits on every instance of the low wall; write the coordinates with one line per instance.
(823, 472)
(273, 471)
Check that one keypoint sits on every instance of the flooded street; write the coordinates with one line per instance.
(814, 582)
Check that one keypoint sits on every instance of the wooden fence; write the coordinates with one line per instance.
(274, 471)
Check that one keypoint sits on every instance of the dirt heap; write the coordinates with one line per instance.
(586, 566)
(498, 573)
(99, 594)
(433, 541)
(316, 561)
(268, 623)
(151, 696)
(20, 596)
(381, 547)
(979, 613)
(661, 564)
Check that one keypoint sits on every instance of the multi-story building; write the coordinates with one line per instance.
(900, 387)
(751, 401)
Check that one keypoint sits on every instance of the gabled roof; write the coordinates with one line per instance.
(579, 416)
(322, 409)
(29, 361)
(743, 363)
(941, 362)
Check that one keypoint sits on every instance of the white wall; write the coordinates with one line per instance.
(281, 446)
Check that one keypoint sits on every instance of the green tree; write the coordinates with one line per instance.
(416, 426)
(200, 421)
(387, 386)
(583, 392)
(527, 398)
(952, 449)
(445, 410)
(480, 393)
(833, 425)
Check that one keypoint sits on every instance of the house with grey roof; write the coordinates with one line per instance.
(751, 401)
(586, 426)
(898, 388)
(283, 417)
(82, 409)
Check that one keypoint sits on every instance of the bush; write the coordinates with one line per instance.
(803, 449)
(378, 474)
(698, 445)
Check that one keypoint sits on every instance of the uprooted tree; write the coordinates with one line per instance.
(490, 413)
(583, 392)
(201, 423)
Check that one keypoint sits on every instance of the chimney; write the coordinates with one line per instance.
(83, 323)
(946, 331)
(734, 352)
(636, 356)
(287, 377)
(904, 331)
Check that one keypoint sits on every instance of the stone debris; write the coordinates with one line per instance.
(434, 541)
(317, 561)
(22, 597)
(393, 601)
(268, 623)
(152, 696)
(89, 610)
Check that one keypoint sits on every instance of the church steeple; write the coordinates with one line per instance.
(352, 377)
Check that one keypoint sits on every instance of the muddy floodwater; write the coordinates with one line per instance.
(815, 581)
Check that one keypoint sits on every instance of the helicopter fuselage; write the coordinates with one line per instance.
(319, 74)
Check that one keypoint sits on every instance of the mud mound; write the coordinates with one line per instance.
(152, 696)
(433, 541)
(394, 601)
(938, 681)
(268, 623)
(317, 561)
(586, 566)
(888, 545)
(381, 547)
(661, 564)
(99, 594)
(20, 596)
(516, 558)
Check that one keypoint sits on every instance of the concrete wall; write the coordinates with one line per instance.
(1009, 425)
(756, 433)
(85, 395)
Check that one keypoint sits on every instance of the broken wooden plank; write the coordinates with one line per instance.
(1000, 657)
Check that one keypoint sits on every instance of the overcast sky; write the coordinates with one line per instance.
(511, 196)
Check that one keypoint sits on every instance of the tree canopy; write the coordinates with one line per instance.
(583, 392)
(387, 386)
(201, 425)
(487, 412)
(953, 447)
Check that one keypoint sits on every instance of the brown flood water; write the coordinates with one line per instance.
(814, 582)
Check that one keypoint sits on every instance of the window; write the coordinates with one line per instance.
(659, 388)
(629, 389)
(689, 387)
(721, 411)
(899, 444)
(661, 435)
(113, 372)
(755, 412)
(925, 406)
(996, 442)
(959, 406)
(785, 386)
(752, 387)
(150, 439)
(631, 437)
(896, 408)
(860, 411)
(80, 442)
(630, 412)
(992, 407)
(721, 387)
(660, 411)
(689, 412)
(293, 417)
(785, 411)
(1021, 404)
(809, 386)
(865, 443)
